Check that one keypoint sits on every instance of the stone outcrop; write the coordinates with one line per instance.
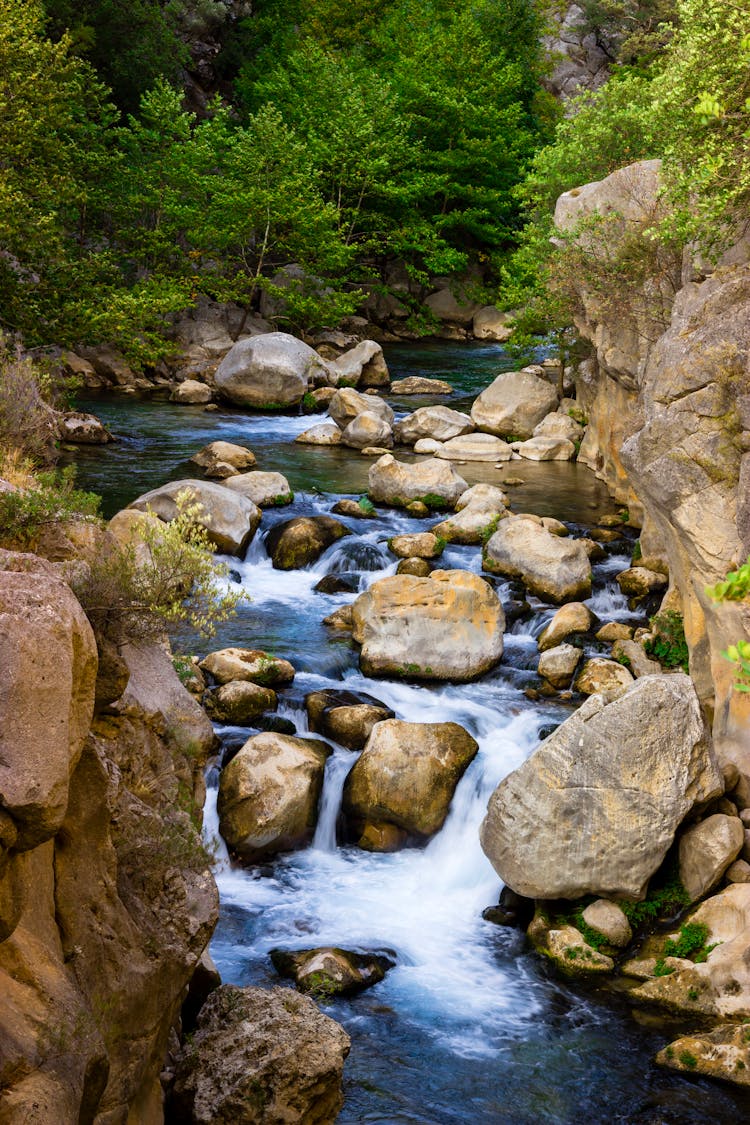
(406, 777)
(260, 1055)
(448, 626)
(595, 808)
(269, 371)
(269, 793)
(230, 520)
(551, 567)
(106, 897)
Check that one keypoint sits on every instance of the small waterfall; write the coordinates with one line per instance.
(338, 767)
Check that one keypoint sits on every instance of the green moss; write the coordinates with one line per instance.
(434, 502)
(665, 896)
(637, 553)
(688, 1060)
(488, 531)
(310, 403)
(283, 498)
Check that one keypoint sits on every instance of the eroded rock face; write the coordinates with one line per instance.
(268, 371)
(230, 520)
(261, 1055)
(448, 626)
(394, 482)
(269, 793)
(298, 542)
(595, 808)
(514, 404)
(551, 567)
(406, 777)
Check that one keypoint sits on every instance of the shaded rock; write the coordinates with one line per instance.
(557, 665)
(239, 701)
(514, 404)
(707, 850)
(269, 794)
(406, 776)
(421, 545)
(417, 385)
(445, 305)
(550, 567)
(337, 584)
(347, 717)
(490, 323)
(738, 872)
(601, 675)
(608, 920)
(325, 433)
(396, 483)
(353, 509)
(329, 971)
(595, 808)
(218, 457)
(723, 1053)
(475, 447)
(340, 619)
(575, 617)
(438, 422)
(362, 366)
(260, 1055)
(230, 520)
(227, 665)
(268, 371)
(546, 448)
(267, 490)
(83, 429)
(191, 393)
(296, 543)
(419, 568)
(366, 430)
(417, 509)
(347, 404)
(448, 626)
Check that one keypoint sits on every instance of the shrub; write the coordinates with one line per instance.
(51, 498)
(27, 423)
(668, 646)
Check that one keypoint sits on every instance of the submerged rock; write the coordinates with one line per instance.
(448, 626)
(296, 543)
(722, 1053)
(260, 1055)
(329, 971)
(406, 777)
(596, 807)
(269, 794)
(230, 520)
(347, 717)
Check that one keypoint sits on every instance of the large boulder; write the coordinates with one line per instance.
(230, 520)
(222, 459)
(347, 403)
(268, 371)
(362, 366)
(438, 422)
(368, 429)
(433, 482)
(406, 776)
(228, 665)
(267, 490)
(514, 404)
(324, 433)
(594, 810)
(269, 793)
(448, 626)
(260, 1056)
(575, 617)
(553, 568)
(545, 447)
(347, 717)
(296, 543)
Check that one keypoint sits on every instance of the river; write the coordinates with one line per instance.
(469, 1028)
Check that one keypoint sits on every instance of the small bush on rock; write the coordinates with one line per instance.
(669, 646)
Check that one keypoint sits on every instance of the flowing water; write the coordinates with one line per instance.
(468, 1027)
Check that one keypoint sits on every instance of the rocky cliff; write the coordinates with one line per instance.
(667, 394)
(106, 897)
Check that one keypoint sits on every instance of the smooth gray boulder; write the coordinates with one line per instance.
(514, 404)
(268, 371)
(551, 567)
(230, 520)
(595, 809)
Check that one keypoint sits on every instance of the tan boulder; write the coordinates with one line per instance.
(230, 520)
(366, 430)
(329, 971)
(363, 365)
(239, 701)
(615, 631)
(491, 323)
(475, 447)
(549, 566)
(248, 664)
(268, 371)
(514, 404)
(473, 524)
(298, 542)
(394, 482)
(438, 422)
(419, 568)
(637, 581)
(559, 425)
(422, 545)
(406, 776)
(417, 385)
(267, 490)
(633, 656)
(218, 457)
(545, 447)
(722, 1053)
(269, 794)
(347, 403)
(706, 851)
(191, 393)
(575, 617)
(347, 717)
(83, 429)
(608, 920)
(601, 675)
(487, 495)
(557, 665)
(448, 626)
(570, 951)
(325, 433)
(595, 808)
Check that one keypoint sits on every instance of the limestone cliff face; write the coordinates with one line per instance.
(106, 900)
(668, 400)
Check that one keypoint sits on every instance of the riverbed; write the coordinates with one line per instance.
(469, 1028)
